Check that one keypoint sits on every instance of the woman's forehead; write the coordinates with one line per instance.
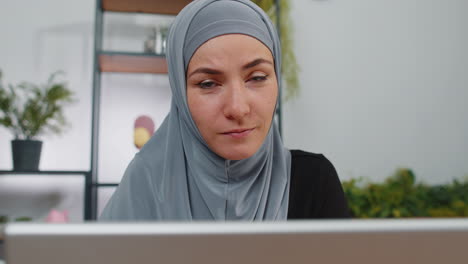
(238, 48)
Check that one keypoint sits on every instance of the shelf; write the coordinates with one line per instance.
(44, 172)
(132, 62)
(105, 184)
(167, 7)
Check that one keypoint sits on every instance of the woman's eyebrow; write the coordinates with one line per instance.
(255, 63)
(205, 70)
(245, 67)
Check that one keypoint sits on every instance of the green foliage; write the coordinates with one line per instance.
(289, 67)
(5, 219)
(29, 110)
(401, 196)
(23, 219)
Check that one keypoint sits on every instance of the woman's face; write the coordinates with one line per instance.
(231, 93)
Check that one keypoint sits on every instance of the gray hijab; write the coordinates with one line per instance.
(176, 176)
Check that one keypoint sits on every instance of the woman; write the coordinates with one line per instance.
(218, 154)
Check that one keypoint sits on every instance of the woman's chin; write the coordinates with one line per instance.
(237, 149)
(236, 155)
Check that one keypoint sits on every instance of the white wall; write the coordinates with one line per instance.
(384, 85)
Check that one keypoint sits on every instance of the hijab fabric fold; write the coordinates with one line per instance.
(176, 176)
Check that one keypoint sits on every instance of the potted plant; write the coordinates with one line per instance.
(29, 110)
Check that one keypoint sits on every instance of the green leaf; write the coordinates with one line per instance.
(400, 196)
(28, 109)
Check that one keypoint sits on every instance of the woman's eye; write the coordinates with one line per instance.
(259, 78)
(206, 84)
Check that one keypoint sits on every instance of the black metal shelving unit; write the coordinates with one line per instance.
(126, 62)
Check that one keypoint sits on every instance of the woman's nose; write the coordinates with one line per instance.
(236, 102)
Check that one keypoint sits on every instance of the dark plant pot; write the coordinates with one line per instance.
(26, 154)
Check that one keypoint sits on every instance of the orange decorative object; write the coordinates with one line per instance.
(143, 130)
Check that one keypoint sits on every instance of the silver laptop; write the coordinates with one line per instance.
(346, 241)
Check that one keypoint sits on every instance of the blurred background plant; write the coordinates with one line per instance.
(29, 110)
(401, 196)
(5, 219)
(289, 67)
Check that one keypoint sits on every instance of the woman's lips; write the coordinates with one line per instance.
(239, 133)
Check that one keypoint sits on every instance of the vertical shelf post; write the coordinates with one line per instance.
(91, 198)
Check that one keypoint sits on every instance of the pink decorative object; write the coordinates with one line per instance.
(145, 122)
(56, 216)
(143, 130)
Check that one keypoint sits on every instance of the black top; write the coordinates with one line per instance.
(315, 190)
